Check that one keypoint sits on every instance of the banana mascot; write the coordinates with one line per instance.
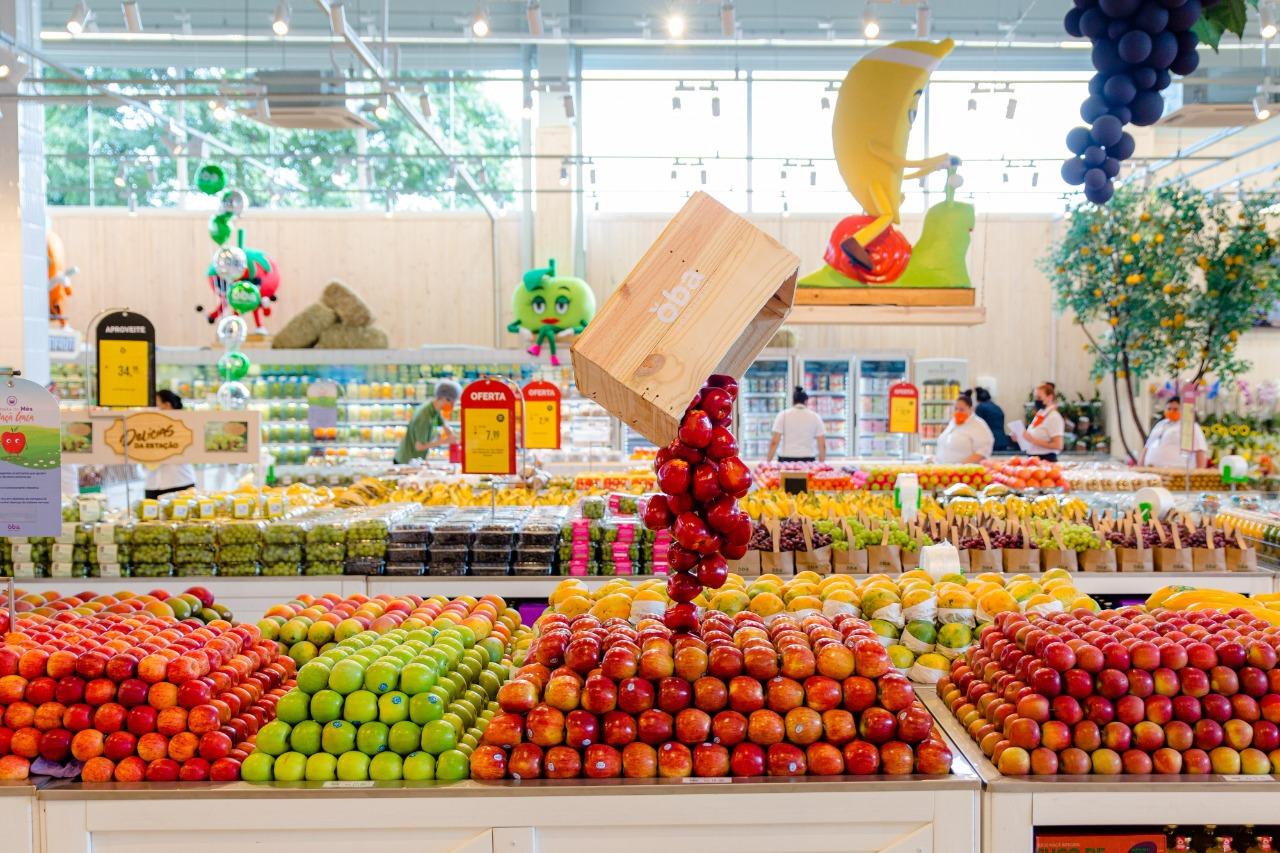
(60, 276)
(875, 109)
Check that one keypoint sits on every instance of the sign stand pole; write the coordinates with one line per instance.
(13, 608)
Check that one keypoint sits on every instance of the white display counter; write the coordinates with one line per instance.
(18, 818)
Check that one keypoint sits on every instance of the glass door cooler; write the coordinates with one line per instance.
(876, 374)
(764, 391)
(829, 382)
(940, 381)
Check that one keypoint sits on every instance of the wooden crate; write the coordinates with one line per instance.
(705, 298)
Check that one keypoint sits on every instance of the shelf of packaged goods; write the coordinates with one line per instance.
(1013, 806)
(827, 393)
(835, 417)
(774, 394)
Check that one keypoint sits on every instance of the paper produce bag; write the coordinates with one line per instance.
(775, 560)
(1135, 559)
(849, 562)
(812, 559)
(748, 566)
(1243, 557)
(1021, 561)
(1098, 560)
(1172, 559)
(884, 559)
(1059, 558)
(910, 560)
(1208, 560)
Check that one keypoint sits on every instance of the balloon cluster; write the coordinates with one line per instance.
(233, 365)
(1137, 46)
(701, 478)
(242, 279)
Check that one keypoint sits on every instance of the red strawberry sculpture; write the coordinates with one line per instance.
(701, 478)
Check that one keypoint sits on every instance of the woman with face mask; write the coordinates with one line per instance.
(1045, 432)
(429, 426)
(1164, 445)
(967, 438)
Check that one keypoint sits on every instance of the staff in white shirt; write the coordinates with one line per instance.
(799, 431)
(169, 477)
(1164, 445)
(1045, 432)
(967, 438)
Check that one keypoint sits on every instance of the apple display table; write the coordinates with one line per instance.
(1013, 806)
(676, 816)
(17, 818)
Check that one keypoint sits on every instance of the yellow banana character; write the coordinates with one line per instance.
(874, 111)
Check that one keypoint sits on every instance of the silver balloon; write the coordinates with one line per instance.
(230, 263)
(234, 202)
(232, 331)
(955, 181)
(233, 396)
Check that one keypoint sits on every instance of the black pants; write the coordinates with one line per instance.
(152, 494)
(797, 459)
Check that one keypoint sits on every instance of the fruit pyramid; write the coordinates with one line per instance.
(195, 603)
(732, 697)
(131, 695)
(1123, 691)
(409, 702)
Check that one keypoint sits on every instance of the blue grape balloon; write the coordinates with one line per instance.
(1147, 108)
(1073, 171)
(1094, 155)
(1120, 90)
(1078, 139)
(1123, 149)
(1134, 47)
(1106, 131)
(1111, 167)
(1100, 195)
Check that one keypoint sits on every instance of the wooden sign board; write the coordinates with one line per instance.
(152, 437)
(705, 298)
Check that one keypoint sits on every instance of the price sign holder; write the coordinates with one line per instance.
(30, 459)
(541, 415)
(126, 353)
(1187, 428)
(488, 428)
(904, 408)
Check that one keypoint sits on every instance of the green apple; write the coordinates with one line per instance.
(402, 655)
(441, 692)
(405, 737)
(347, 676)
(338, 737)
(464, 710)
(439, 736)
(371, 738)
(290, 767)
(489, 682)
(456, 683)
(417, 678)
(439, 657)
(468, 669)
(273, 738)
(386, 767)
(270, 628)
(383, 675)
(493, 648)
(303, 652)
(306, 737)
(293, 707)
(477, 697)
(426, 636)
(326, 706)
(322, 767)
(313, 676)
(419, 767)
(257, 767)
(453, 765)
(360, 707)
(393, 707)
(425, 707)
(466, 749)
(353, 767)
(470, 739)
(453, 719)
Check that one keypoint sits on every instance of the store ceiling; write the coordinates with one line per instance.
(1010, 35)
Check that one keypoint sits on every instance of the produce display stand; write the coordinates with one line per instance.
(921, 814)
(17, 817)
(1012, 807)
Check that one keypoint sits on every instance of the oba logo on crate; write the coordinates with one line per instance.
(677, 297)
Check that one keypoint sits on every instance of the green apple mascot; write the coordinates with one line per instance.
(547, 305)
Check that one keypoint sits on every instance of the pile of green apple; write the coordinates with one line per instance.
(407, 704)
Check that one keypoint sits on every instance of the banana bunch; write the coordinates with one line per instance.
(367, 491)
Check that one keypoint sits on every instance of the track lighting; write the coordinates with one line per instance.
(280, 21)
(79, 19)
(132, 17)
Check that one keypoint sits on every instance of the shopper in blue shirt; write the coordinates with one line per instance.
(994, 417)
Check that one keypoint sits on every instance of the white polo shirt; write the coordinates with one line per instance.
(800, 427)
(960, 441)
(1046, 426)
(1164, 445)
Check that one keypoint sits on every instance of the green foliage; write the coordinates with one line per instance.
(1227, 16)
(321, 163)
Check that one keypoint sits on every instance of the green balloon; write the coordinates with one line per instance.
(233, 366)
(211, 179)
(243, 297)
(220, 227)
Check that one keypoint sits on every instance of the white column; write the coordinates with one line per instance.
(24, 293)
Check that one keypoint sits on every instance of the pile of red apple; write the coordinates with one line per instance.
(731, 698)
(701, 478)
(133, 697)
(1122, 691)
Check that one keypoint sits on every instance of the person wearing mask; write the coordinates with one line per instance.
(798, 432)
(429, 426)
(993, 416)
(169, 477)
(1164, 445)
(1046, 430)
(966, 439)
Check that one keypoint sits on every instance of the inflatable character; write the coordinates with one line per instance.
(60, 276)
(875, 109)
(547, 305)
(263, 272)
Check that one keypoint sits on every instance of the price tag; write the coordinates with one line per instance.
(488, 428)
(348, 784)
(126, 361)
(541, 416)
(904, 408)
(1245, 777)
(706, 780)
(1187, 436)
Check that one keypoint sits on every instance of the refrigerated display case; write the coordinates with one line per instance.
(764, 391)
(940, 381)
(829, 382)
(876, 374)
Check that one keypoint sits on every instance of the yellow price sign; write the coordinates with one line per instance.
(124, 369)
(542, 425)
(904, 408)
(487, 442)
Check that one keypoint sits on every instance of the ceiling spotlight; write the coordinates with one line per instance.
(924, 20)
(715, 106)
(526, 107)
(1035, 179)
(704, 177)
(424, 103)
(388, 203)
(1011, 108)
(973, 104)
(12, 69)
(564, 173)
(337, 18)
(870, 25)
(533, 11)
(728, 26)
(1266, 102)
(79, 19)
(673, 173)
(569, 110)
(119, 179)
(675, 102)
(591, 176)
(480, 24)
(382, 111)
(133, 204)
(280, 21)
(132, 17)
(1005, 177)
(1267, 19)
(221, 111)
(451, 179)
(676, 25)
